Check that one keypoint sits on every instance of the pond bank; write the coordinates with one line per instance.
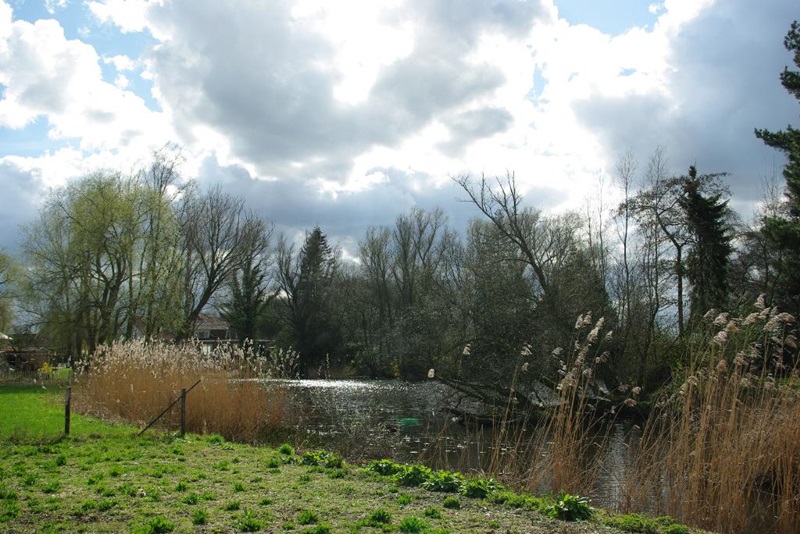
(105, 479)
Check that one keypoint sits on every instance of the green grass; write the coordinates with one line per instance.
(106, 478)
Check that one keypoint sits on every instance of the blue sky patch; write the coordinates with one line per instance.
(612, 17)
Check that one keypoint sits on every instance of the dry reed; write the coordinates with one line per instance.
(724, 444)
(136, 380)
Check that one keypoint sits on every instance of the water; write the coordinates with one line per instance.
(410, 422)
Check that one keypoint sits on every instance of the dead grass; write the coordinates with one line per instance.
(135, 381)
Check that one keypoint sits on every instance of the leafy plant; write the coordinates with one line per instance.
(444, 481)
(479, 488)
(384, 467)
(569, 508)
(322, 458)
(413, 475)
(232, 506)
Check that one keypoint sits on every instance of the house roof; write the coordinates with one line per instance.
(211, 322)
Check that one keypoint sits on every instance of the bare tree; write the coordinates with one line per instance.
(218, 237)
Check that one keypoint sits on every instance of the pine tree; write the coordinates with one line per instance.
(248, 300)
(707, 261)
(783, 232)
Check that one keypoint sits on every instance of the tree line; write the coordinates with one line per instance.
(116, 256)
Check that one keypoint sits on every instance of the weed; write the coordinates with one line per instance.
(191, 499)
(570, 508)
(61, 460)
(318, 529)
(307, 517)
(451, 503)
(181, 486)
(432, 512)
(238, 487)
(413, 475)
(232, 506)
(322, 458)
(157, 525)
(379, 517)
(249, 523)
(444, 481)
(479, 488)
(199, 517)
(286, 450)
(404, 499)
(412, 524)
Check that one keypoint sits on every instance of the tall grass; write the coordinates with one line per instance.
(725, 441)
(136, 380)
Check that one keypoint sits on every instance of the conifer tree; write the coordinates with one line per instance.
(783, 232)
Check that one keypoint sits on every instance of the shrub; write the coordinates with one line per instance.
(322, 458)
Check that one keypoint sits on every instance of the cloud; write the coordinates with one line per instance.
(276, 105)
(720, 81)
(44, 74)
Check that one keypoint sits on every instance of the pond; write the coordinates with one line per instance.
(411, 422)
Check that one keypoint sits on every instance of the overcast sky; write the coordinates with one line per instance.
(346, 113)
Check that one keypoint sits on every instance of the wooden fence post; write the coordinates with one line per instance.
(67, 402)
(183, 411)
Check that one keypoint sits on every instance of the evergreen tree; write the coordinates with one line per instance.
(783, 232)
(708, 258)
(246, 306)
(306, 282)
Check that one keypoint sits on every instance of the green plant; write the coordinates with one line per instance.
(412, 524)
(451, 503)
(432, 512)
(232, 506)
(404, 499)
(384, 467)
(570, 508)
(238, 487)
(181, 486)
(249, 523)
(199, 517)
(444, 481)
(318, 529)
(286, 450)
(322, 458)
(157, 525)
(307, 517)
(479, 488)
(379, 517)
(413, 475)
(191, 499)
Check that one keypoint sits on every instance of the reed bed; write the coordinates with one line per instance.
(137, 380)
(722, 449)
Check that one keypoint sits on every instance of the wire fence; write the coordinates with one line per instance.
(56, 376)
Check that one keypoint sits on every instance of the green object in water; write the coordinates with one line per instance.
(408, 421)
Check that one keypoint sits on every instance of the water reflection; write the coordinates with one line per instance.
(410, 422)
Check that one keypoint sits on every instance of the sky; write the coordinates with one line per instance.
(345, 114)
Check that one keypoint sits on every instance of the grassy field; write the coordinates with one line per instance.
(106, 478)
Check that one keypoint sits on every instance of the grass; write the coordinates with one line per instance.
(111, 480)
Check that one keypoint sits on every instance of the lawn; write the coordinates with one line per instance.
(106, 478)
